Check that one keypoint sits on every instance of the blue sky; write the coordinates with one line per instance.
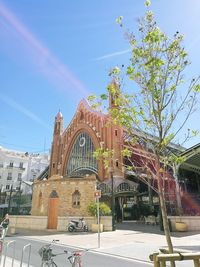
(54, 53)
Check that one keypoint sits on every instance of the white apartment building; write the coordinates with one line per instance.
(17, 167)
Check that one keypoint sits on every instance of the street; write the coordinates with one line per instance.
(90, 258)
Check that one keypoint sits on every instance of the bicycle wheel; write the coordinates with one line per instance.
(49, 264)
(77, 263)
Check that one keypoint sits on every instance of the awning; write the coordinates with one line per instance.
(192, 159)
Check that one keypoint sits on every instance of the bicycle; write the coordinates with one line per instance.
(76, 257)
(47, 255)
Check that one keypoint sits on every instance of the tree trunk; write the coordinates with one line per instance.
(164, 212)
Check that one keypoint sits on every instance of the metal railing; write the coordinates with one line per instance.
(6, 252)
(160, 260)
(28, 246)
(7, 249)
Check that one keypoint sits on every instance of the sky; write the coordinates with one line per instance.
(54, 53)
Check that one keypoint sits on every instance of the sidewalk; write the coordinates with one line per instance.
(8, 263)
(131, 241)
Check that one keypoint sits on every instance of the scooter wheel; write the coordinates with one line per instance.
(71, 229)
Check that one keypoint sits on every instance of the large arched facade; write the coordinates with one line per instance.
(73, 170)
(81, 160)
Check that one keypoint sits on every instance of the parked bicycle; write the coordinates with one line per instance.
(47, 255)
(76, 258)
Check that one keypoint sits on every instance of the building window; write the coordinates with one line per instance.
(76, 199)
(53, 194)
(117, 163)
(40, 200)
(7, 187)
(34, 177)
(115, 132)
(81, 159)
(19, 178)
(11, 164)
(9, 176)
(21, 165)
(53, 165)
(123, 187)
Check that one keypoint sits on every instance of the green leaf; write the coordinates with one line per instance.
(119, 20)
(91, 98)
(147, 3)
(196, 88)
(104, 96)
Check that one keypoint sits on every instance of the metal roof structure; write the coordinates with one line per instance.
(192, 159)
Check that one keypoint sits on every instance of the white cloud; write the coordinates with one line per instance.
(113, 54)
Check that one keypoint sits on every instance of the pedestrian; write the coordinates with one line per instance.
(4, 224)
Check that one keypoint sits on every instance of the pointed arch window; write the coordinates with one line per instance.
(81, 160)
(53, 194)
(40, 200)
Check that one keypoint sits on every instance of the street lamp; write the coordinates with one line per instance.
(10, 196)
(19, 198)
(112, 198)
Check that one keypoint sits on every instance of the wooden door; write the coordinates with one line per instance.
(53, 213)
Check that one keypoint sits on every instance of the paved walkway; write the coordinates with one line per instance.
(130, 240)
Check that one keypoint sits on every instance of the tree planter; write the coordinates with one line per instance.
(94, 227)
(181, 226)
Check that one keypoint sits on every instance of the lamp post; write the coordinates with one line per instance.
(19, 198)
(112, 198)
(10, 196)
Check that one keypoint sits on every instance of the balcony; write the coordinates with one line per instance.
(15, 167)
(22, 168)
(10, 166)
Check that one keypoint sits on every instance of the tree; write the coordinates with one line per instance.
(157, 109)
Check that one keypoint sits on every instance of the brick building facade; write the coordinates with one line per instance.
(73, 172)
(73, 175)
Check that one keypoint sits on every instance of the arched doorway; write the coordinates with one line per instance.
(53, 210)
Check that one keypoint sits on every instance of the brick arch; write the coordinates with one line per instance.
(82, 127)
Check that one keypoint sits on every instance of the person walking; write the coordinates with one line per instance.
(4, 224)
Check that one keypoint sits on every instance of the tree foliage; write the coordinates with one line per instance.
(158, 105)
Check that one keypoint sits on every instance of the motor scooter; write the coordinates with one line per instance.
(77, 225)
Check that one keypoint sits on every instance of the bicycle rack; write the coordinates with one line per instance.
(29, 255)
(13, 254)
(6, 251)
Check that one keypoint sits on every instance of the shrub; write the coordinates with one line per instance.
(104, 209)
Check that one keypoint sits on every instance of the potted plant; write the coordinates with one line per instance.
(179, 225)
(104, 210)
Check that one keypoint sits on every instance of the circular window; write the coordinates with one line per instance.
(82, 141)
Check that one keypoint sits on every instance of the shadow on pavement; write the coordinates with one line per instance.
(153, 229)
